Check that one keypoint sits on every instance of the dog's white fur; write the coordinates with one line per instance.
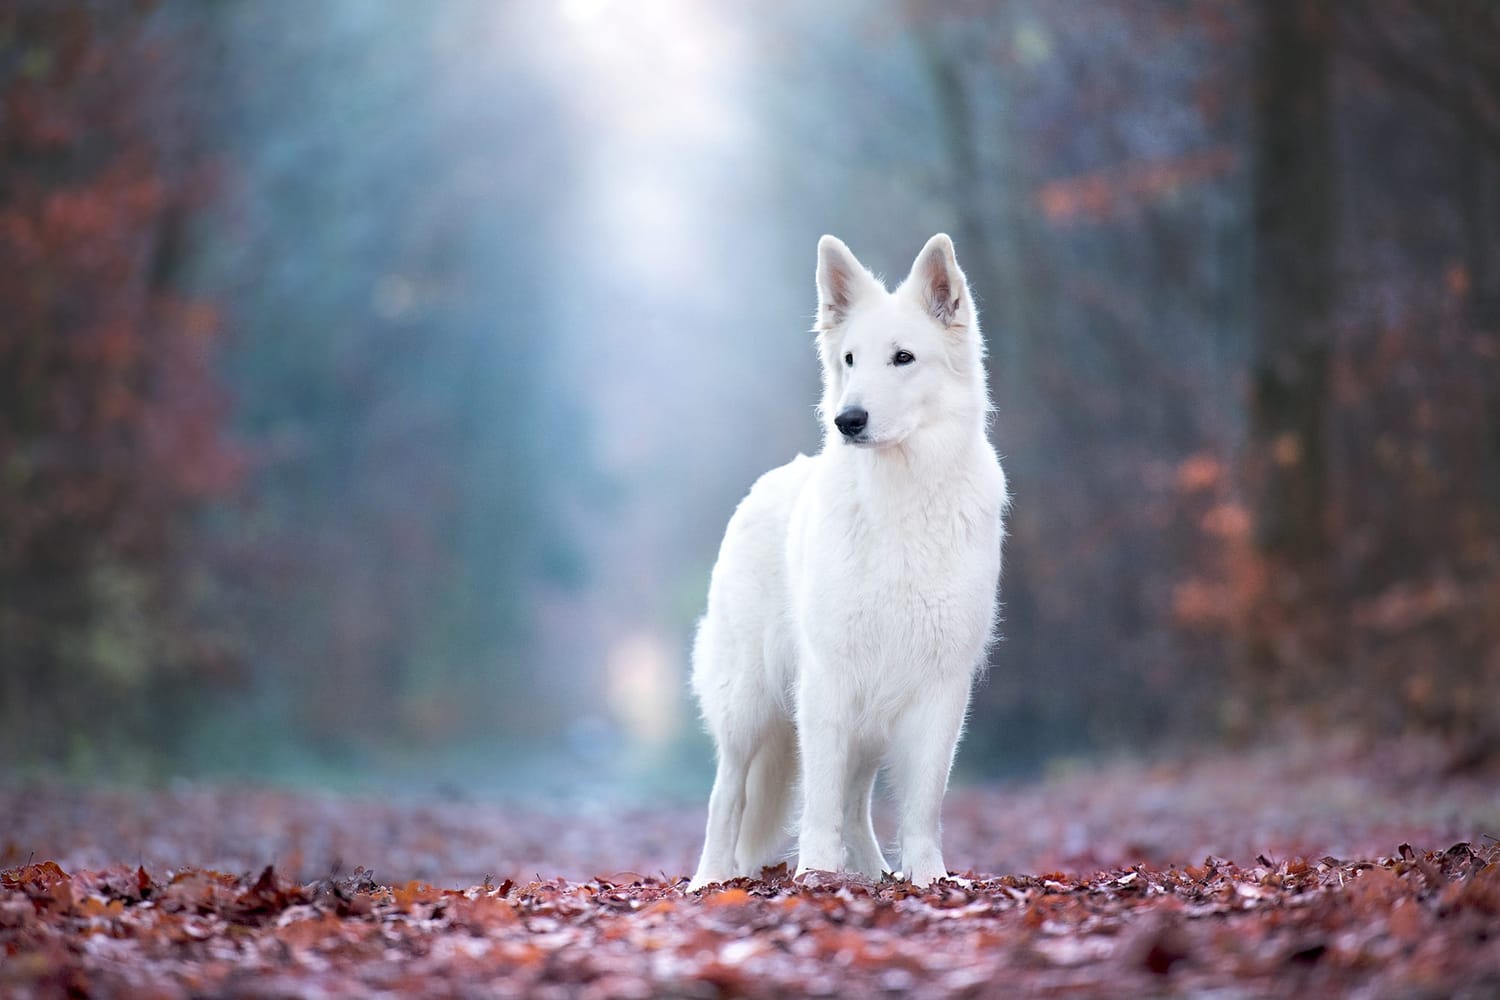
(854, 595)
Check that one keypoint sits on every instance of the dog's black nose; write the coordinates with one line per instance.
(851, 422)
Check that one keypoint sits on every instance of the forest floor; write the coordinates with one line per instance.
(1308, 869)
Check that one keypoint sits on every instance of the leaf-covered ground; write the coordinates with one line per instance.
(1324, 869)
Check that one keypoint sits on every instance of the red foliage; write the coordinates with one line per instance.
(1119, 883)
(111, 415)
(111, 394)
(1415, 921)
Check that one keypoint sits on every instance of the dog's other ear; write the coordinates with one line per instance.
(939, 283)
(842, 281)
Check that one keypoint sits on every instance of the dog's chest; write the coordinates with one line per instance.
(901, 588)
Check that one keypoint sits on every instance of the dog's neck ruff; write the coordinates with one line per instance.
(925, 465)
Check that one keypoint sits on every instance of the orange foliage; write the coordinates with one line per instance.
(1201, 471)
(1102, 193)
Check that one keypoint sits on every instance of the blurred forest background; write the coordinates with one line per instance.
(376, 379)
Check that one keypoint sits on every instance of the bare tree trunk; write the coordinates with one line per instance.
(1293, 199)
(1481, 200)
(993, 225)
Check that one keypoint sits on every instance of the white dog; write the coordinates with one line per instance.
(854, 596)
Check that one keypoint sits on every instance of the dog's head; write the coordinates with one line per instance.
(897, 362)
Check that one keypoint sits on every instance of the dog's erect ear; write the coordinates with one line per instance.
(939, 284)
(842, 281)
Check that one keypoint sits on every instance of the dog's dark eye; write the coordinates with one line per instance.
(902, 358)
(849, 359)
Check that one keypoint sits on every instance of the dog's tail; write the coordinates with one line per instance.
(768, 794)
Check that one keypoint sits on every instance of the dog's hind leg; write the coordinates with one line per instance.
(773, 775)
(726, 810)
(861, 846)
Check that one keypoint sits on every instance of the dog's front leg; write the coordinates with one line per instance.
(823, 738)
(922, 747)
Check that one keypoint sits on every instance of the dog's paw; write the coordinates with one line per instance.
(701, 882)
(926, 876)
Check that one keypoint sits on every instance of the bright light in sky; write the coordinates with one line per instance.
(657, 83)
(583, 11)
(666, 141)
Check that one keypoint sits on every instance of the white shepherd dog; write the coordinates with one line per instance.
(854, 596)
